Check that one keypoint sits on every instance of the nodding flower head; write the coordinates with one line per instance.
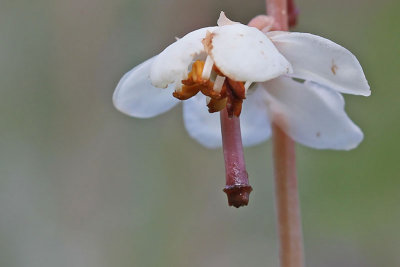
(257, 75)
(220, 62)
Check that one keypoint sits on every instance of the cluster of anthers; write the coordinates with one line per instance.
(220, 90)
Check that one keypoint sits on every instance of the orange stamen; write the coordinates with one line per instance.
(237, 88)
(234, 104)
(216, 105)
(231, 95)
(187, 92)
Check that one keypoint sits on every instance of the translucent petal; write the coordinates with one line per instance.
(201, 125)
(245, 54)
(223, 20)
(254, 122)
(314, 115)
(323, 61)
(171, 65)
(135, 96)
(205, 127)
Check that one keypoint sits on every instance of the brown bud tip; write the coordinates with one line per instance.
(238, 195)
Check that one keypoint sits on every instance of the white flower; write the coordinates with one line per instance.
(224, 65)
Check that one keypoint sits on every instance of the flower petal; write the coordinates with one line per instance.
(245, 54)
(206, 129)
(135, 96)
(254, 122)
(223, 20)
(171, 65)
(201, 125)
(323, 61)
(313, 115)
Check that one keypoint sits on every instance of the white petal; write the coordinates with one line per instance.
(135, 96)
(223, 20)
(206, 129)
(245, 54)
(314, 115)
(254, 122)
(323, 61)
(171, 65)
(201, 125)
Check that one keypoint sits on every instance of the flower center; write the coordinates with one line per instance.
(221, 91)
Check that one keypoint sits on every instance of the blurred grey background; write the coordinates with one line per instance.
(84, 185)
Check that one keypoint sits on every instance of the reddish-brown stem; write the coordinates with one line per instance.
(237, 183)
(287, 200)
(286, 189)
(278, 10)
(293, 13)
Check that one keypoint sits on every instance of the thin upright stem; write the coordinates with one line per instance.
(293, 13)
(287, 200)
(278, 9)
(286, 188)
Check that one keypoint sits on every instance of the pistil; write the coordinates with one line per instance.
(237, 182)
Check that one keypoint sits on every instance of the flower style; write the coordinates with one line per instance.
(257, 75)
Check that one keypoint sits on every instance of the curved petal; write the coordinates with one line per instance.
(254, 122)
(244, 53)
(223, 20)
(135, 96)
(171, 65)
(311, 114)
(323, 61)
(201, 125)
(205, 127)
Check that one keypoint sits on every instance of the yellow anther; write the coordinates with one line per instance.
(197, 70)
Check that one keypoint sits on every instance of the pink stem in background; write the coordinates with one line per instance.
(279, 11)
(293, 13)
(237, 182)
(287, 200)
(286, 188)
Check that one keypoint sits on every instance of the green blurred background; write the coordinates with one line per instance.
(84, 185)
